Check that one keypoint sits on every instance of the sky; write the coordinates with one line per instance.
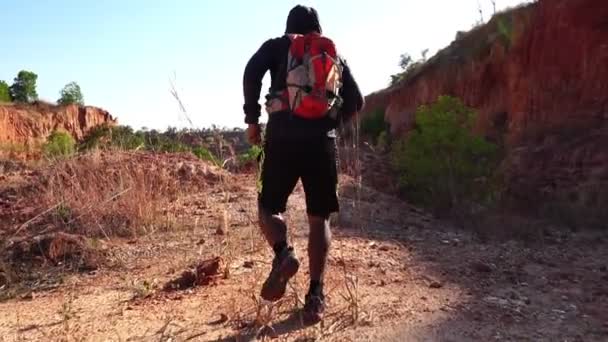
(125, 54)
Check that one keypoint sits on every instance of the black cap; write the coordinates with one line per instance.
(303, 20)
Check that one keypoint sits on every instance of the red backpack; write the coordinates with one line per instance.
(314, 78)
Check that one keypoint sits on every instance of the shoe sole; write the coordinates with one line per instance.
(274, 289)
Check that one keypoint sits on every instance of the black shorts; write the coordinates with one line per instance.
(283, 163)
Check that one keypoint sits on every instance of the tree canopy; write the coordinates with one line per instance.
(71, 94)
(5, 94)
(24, 87)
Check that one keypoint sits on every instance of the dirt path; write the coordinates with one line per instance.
(394, 275)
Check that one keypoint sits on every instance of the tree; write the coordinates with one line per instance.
(24, 87)
(404, 61)
(424, 53)
(5, 94)
(71, 94)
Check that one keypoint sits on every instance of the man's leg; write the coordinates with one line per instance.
(320, 180)
(319, 241)
(277, 180)
(273, 227)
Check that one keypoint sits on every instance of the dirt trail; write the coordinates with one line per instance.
(394, 275)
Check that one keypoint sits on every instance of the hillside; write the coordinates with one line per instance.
(537, 77)
(25, 124)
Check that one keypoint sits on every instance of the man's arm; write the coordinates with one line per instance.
(255, 70)
(351, 95)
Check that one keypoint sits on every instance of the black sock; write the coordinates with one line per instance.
(279, 247)
(316, 288)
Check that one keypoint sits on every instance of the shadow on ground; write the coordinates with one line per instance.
(554, 288)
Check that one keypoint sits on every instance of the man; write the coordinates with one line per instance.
(295, 148)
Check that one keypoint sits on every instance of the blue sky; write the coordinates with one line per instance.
(124, 53)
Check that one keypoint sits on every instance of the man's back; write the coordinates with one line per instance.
(272, 57)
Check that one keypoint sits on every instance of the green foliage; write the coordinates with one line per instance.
(383, 142)
(125, 138)
(5, 94)
(59, 144)
(24, 87)
(251, 155)
(204, 154)
(158, 142)
(71, 94)
(408, 66)
(505, 29)
(97, 137)
(405, 60)
(373, 124)
(441, 163)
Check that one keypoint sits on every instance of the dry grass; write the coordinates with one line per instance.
(111, 194)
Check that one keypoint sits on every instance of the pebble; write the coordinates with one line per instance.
(435, 285)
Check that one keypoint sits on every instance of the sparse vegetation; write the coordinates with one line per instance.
(384, 141)
(217, 146)
(250, 156)
(59, 145)
(442, 164)
(505, 28)
(408, 66)
(373, 124)
(204, 154)
(71, 94)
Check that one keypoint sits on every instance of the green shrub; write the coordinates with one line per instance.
(373, 124)
(384, 142)
(96, 138)
(250, 156)
(442, 164)
(125, 138)
(121, 137)
(505, 29)
(204, 154)
(59, 144)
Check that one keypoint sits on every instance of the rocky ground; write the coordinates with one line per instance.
(395, 274)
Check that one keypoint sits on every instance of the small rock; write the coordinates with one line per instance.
(267, 331)
(497, 301)
(382, 283)
(248, 264)
(372, 245)
(28, 296)
(481, 267)
(223, 319)
(423, 298)
(435, 285)
(201, 242)
(384, 248)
